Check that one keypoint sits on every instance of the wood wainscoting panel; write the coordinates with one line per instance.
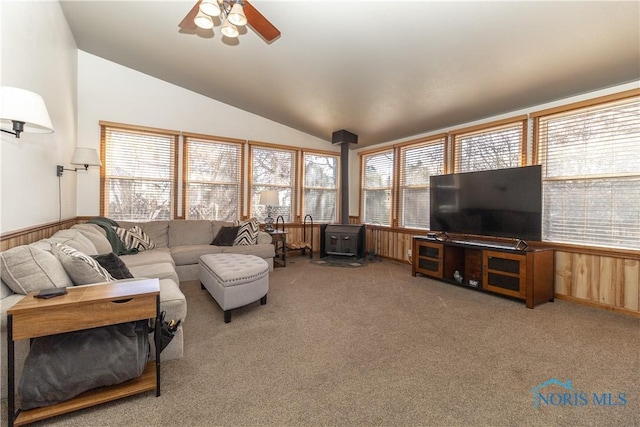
(30, 235)
(631, 290)
(563, 273)
(611, 282)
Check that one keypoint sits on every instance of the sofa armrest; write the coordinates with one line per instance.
(264, 238)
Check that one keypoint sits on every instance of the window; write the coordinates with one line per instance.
(418, 161)
(320, 186)
(213, 178)
(272, 168)
(139, 173)
(591, 172)
(377, 184)
(490, 146)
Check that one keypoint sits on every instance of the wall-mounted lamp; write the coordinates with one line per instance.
(269, 198)
(25, 111)
(82, 156)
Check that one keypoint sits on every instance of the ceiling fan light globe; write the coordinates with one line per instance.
(210, 7)
(203, 21)
(237, 16)
(229, 30)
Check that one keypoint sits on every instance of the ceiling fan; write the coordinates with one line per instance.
(232, 13)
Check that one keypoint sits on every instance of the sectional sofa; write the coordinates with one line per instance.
(178, 244)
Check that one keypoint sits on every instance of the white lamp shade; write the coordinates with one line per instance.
(236, 16)
(269, 198)
(24, 106)
(229, 30)
(86, 157)
(203, 21)
(210, 7)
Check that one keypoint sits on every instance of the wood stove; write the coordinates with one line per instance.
(342, 240)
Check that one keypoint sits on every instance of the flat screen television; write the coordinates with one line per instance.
(499, 203)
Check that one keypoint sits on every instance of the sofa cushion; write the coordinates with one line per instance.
(74, 239)
(185, 255)
(82, 269)
(172, 300)
(97, 235)
(114, 265)
(161, 270)
(134, 238)
(248, 232)
(226, 236)
(191, 232)
(262, 251)
(28, 268)
(153, 256)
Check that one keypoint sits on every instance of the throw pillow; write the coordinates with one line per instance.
(226, 236)
(82, 269)
(134, 238)
(247, 233)
(114, 265)
(28, 268)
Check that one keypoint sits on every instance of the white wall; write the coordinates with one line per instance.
(110, 92)
(354, 164)
(38, 54)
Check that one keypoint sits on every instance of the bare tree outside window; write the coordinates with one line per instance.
(377, 187)
(214, 179)
(417, 164)
(139, 178)
(273, 169)
(591, 175)
(320, 188)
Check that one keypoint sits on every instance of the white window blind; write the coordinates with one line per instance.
(493, 147)
(139, 172)
(320, 187)
(418, 162)
(377, 184)
(213, 179)
(591, 174)
(273, 169)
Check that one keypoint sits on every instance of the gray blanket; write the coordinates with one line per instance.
(60, 367)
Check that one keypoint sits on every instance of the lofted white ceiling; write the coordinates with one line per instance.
(382, 70)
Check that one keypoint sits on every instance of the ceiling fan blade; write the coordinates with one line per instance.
(259, 23)
(188, 22)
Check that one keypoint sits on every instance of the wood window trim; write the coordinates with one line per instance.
(295, 189)
(104, 125)
(138, 128)
(586, 103)
(213, 139)
(391, 149)
(302, 172)
(495, 125)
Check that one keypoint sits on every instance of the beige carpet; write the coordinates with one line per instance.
(375, 346)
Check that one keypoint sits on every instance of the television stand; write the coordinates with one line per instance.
(513, 270)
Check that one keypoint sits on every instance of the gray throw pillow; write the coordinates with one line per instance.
(28, 268)
(226, 236)
(82, 269)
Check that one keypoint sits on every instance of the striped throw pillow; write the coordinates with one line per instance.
(247, 233)
(134, 238)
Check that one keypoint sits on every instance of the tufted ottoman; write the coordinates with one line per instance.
(234, 280)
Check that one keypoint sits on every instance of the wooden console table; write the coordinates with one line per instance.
(83, 307)
(523, 274)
